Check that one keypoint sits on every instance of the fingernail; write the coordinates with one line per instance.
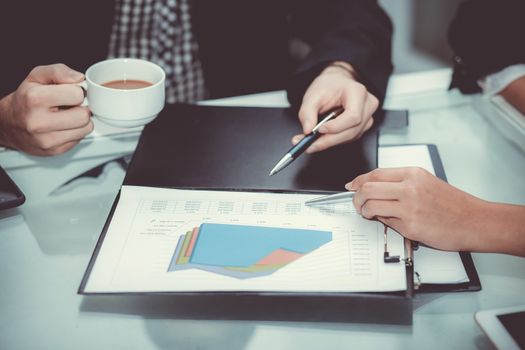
(348, 186)
(307, 128)
(75, 75)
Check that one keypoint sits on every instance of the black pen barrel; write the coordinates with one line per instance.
(302, 145)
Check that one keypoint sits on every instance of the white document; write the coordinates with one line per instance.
(405, 156)
(432, 265)
(439, 267)
(140, 243)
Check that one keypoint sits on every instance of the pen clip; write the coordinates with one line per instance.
(330, 115)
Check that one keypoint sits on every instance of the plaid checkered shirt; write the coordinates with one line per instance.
(160, 31)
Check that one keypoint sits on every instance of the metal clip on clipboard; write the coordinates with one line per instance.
(389, 259)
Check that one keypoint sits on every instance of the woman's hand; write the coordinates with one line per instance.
(420, 206)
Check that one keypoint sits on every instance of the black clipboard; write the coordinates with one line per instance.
(227, 148)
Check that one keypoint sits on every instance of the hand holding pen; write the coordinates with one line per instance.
(304, 143)
(336, 86)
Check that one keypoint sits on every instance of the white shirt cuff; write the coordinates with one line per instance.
(494, 83)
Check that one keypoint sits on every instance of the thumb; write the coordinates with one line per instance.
(308, 115)
(55, 74)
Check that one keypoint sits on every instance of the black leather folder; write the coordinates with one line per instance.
(234, 148)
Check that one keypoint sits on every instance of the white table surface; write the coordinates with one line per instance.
(45, 246)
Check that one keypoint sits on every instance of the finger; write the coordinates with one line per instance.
(371, 105)
(373, 208)
(48, 142)
(400, 226)
(380, 175)
(333, 138)
(38, 151)
(347, 121)
(366, 127)
(314, 103)
(308, 115)
(55, 95)
(370, 108)
(55, 74)
(350, 186)
(47, 122)
(297, 138)
(354, 104)
(394, 223)
(67, 119)
(344, 121)
(329, 140)
(377, 190)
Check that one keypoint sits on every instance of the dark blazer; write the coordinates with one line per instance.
(486, 36)
(244, 44)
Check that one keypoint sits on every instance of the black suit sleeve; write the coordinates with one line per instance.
(357, 32)
(486, 36)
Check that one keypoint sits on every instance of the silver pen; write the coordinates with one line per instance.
(342, 197)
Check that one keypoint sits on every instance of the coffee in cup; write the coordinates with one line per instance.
(128, 84)
(125, 92)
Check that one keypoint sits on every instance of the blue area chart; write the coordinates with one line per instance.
(242, 251)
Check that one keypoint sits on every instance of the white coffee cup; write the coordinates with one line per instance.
(123, 107)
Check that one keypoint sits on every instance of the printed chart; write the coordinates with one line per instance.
(243, 251)
(171, 240)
